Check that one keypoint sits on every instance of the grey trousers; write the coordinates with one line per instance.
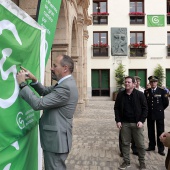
(128, 131)
(54, 161)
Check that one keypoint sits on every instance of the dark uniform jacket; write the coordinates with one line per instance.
(139, 103)
(157, 103)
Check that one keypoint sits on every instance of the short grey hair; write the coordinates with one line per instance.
(66, 60)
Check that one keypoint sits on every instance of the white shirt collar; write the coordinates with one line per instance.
(62, 79)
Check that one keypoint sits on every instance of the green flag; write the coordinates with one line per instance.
(48, 17)
(22, 154)
(22, 43)
(156, 20)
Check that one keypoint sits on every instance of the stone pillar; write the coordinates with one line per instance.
(81, 71)
(29, 7)
(85, 35)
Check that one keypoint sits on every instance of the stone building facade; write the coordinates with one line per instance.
(70, 39)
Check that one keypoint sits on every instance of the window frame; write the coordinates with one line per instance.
(100, 48)
(137, 52)
(99, 17)
(168, 11)
(134, 18)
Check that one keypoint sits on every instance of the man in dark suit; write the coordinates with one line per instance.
(58, 104)
(157, 100)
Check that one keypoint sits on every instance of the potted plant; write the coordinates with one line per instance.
(119, 77)
(159, 72)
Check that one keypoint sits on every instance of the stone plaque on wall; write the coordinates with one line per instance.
(119, 41)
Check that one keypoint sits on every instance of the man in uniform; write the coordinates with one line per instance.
(157, 100)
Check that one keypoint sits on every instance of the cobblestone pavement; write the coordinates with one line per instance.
(95, 141)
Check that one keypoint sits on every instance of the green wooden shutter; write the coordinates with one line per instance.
(95, 79)
(105, 79)
(168, 78)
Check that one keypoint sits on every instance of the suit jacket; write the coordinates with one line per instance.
(58, 104)
(157, 103)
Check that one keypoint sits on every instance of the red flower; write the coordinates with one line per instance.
(100, 45)
(136, 13)
(143, 45)
(138, 45)
(95, 45)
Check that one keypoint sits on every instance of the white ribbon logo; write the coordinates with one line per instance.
(155, 19)
(5, 103)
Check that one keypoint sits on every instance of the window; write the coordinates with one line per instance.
(137, 15)
(100, 44)
(100, 14)
(137, 44)
(168, 44)
(168, 11)
(100, 82)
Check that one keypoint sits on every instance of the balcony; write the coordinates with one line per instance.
(136, 14)
(138, 45)
(137, 17)
(137, 50)
(168, 50)
(100, 50)
(100, 14)
(100, 18)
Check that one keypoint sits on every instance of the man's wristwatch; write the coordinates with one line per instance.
(22, 85)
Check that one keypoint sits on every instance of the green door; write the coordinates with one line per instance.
(168, 78)
(100, 82)
(141, 73)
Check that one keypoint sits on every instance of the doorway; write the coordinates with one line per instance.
(100, 82)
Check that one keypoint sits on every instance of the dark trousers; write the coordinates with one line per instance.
(151, 133)
(133, 146)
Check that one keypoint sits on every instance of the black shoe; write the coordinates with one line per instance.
(162, 153)
(150, 149)
(135, 153)
(121, 155)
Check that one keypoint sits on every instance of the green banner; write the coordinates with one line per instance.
(22, 154)
(48, 17)
(155, 20)
(22, 43)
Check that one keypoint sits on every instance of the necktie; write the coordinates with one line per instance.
(153, 91)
